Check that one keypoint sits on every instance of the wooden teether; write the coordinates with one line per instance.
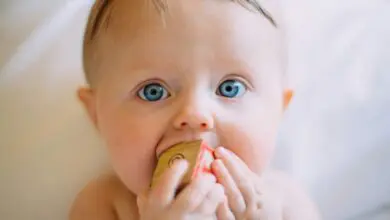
(197, 153)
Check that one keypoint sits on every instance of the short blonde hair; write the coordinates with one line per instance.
(100, 15)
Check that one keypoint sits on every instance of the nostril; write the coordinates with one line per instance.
(203, 125)
(183, 124)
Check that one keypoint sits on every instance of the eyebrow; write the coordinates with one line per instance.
(258, 8)
(162, 6)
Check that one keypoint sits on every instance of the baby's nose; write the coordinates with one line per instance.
(202, 121)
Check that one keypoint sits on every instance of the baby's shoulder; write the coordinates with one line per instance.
(104, 198)
(295, 201)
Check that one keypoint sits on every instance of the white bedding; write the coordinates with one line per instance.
(338, 128)
(334, 139)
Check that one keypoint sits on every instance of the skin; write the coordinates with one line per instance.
(198, 48)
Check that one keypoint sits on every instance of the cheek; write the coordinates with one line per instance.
(251, 135)
(131, 143)
(254, 148)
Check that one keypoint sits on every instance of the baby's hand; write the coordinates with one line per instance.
(199, 200)
(241, 186)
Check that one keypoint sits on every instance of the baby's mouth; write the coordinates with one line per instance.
(209, 138)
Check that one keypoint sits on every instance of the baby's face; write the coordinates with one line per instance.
(213, 70)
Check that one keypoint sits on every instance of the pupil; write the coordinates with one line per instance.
(230, 88)
(154, 91)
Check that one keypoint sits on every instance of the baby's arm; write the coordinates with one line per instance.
(104, 199)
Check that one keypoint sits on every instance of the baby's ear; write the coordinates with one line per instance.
(287, 96)
(87, 97)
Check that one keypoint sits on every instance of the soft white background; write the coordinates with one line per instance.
(335, 138)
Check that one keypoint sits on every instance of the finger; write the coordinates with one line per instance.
(164, 192)
(224, 212)
(235, 199)
(225, 154)
(241, 174)
(191, 196)
(212, 200)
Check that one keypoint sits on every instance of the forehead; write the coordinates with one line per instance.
(191, 29)
(102, 9)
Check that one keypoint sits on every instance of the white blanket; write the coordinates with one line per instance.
(334, 139)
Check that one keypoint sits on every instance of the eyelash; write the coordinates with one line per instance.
(239, 78)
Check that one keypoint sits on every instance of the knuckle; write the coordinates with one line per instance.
(229, 217)
(254, 214)
(202, 190)
(236, 197)
(191, 201)
(195, 190)
(188, 204)
(246, 185)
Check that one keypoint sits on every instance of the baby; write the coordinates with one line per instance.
(166, 72)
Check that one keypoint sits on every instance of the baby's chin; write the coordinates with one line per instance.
(137, 188)
(134, 183)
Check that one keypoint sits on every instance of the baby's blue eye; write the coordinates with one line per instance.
(153, 92)
(231, 89)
